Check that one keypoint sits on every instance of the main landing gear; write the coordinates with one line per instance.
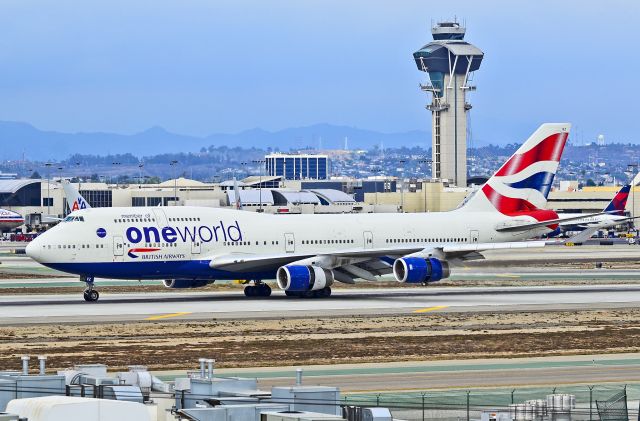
(319, 293)
(260, 289)
(90, 294)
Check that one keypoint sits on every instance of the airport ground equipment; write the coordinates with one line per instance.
(59, 408)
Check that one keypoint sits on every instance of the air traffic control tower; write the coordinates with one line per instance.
(449, 61)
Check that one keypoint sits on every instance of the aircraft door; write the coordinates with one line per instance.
(473, 236)
(161, 219)
(368, 239)
(118, 246)
(196, 247)
(289, 243)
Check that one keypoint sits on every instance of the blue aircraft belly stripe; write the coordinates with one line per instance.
(174, 269)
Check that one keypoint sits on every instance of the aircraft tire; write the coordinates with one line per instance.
(249, 291)
(265, 290)
(91, 296)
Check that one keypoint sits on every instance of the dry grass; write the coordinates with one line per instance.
(246, 343)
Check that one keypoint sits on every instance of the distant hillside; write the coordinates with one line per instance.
(18, 138)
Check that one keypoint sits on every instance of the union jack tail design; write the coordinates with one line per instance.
(521, 186)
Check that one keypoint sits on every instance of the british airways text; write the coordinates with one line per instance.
(202, 233)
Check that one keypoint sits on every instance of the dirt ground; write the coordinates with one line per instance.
(242, 343)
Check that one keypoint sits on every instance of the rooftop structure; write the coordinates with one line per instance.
(449, 61)
(298, 166)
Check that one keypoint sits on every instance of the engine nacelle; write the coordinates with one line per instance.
(415, 270)
(186, 283)
(298, 278)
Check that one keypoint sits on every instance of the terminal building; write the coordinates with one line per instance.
(298, 166)
(42, 202)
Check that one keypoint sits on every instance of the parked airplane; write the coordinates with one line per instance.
(193, 246)
(613, 214)
(9, 220)
(75, 201)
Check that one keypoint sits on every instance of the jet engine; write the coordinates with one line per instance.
(415, 270)
(298, 278)
(186, 283)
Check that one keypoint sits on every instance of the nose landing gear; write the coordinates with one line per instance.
(90, 294)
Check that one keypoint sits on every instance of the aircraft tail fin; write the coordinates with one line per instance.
(75, 201)
(522, 184)
(619, 201)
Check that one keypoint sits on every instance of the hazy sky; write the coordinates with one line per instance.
(198, 67)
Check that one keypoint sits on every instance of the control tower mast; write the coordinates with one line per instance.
(449, 61)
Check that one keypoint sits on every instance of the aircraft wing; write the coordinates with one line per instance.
(360, 263)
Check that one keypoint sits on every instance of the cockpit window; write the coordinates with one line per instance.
(74, 219)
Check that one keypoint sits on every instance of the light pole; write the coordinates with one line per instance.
(140, 165)
(114, 165)
(424, 180)
(79, 182)
(48, 165)
(260, 162)
(402, 161)
(64, 210)
(632, 170)
(175, 183)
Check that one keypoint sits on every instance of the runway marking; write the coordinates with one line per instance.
(166, 316)
(428, 309)
(505, 275)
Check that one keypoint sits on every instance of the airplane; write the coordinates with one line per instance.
(75, 201)
(613, 214)
(190, 247)
(9, 220)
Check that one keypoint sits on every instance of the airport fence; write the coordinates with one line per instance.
(592, 403)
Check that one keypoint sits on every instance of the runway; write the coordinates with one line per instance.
(20, 309)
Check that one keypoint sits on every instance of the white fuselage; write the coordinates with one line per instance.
(173, 242)
(591, 221)
(10, 220)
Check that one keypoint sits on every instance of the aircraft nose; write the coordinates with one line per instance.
(33, 250)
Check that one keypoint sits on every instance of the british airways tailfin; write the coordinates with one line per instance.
(74, 200)
(522, 184)
(619, 202)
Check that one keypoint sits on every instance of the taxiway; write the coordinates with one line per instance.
(19, 309)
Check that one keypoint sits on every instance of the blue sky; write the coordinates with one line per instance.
(198, 67)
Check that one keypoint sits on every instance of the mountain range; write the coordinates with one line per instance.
(22, 139)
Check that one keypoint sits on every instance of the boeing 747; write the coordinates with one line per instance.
(191, 247)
